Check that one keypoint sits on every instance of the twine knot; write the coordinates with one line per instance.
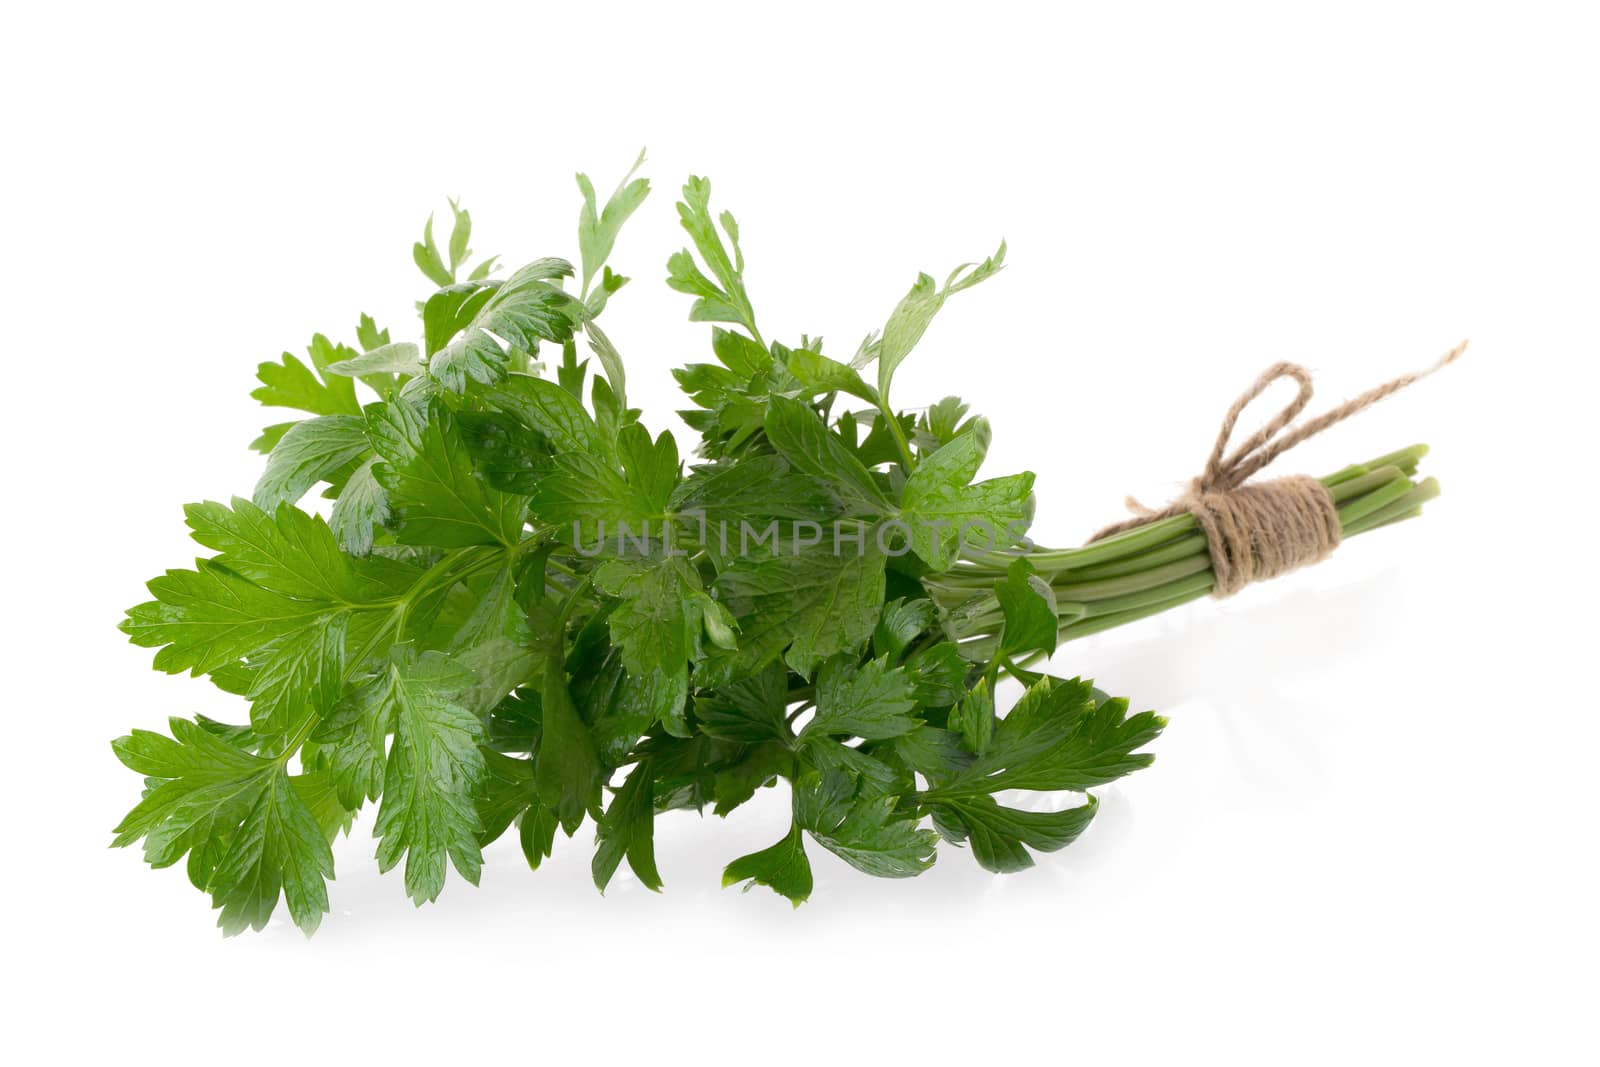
(1263, 529)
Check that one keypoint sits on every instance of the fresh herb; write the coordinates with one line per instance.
(523, 612)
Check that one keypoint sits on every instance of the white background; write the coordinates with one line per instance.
(1370, 832)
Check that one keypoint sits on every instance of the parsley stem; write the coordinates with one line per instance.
(1151, 568)
(898, 432)
(573, 597)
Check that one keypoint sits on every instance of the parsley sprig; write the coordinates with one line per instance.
(523, 611)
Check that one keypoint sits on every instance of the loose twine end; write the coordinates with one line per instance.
(1265, 529)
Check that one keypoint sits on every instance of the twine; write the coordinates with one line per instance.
(1267, 528)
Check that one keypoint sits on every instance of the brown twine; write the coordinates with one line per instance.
(1268, 528)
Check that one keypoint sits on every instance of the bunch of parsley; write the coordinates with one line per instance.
(514, 618)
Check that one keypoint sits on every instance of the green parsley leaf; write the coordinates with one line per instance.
(400, 358)
(425, 253)
(725, 299)
(916, 310)
(864, 831)
(291, 384)
(973, 719)
(550, 411)
(751, 490)
(434, 494)
(752, 710)
(819, 374)
(521, 312)
(1059, 736)
(362, 507)
(597, 229)
(628, 829)
(1030, 609)
(943, 507)
(805, 606)
(272, 596)
(311, 451)
(657, 622)
(220, 802)
(998, 834)
(783, 867)
(802, 438)
(460, 234)
(433, 773)
(568, 773)
(619, 707)
(872, 700)
(902, 622)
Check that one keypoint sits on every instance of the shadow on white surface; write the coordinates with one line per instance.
(1257, 667)
(1262, 664)
(691, 852)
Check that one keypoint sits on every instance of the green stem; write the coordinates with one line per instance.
(1150, 568)
(898, 433)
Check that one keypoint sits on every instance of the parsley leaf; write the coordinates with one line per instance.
(657, 622)
(806, 606)
(309, 452)
(916, 310)
(597, 229)
(434, 492)
(433, 771)
(568, 773)
(628, 829)
(289, 383)
(515, 316)
(1058, 736)
(1029, 605)
(722, 300)
(783, 867)
(1000, 837)
(943, 507)
(871, 701)
(803, 439)
(250, 829)
(864, 831)
(550, 411)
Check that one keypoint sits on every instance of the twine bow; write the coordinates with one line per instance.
(1263, 529)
